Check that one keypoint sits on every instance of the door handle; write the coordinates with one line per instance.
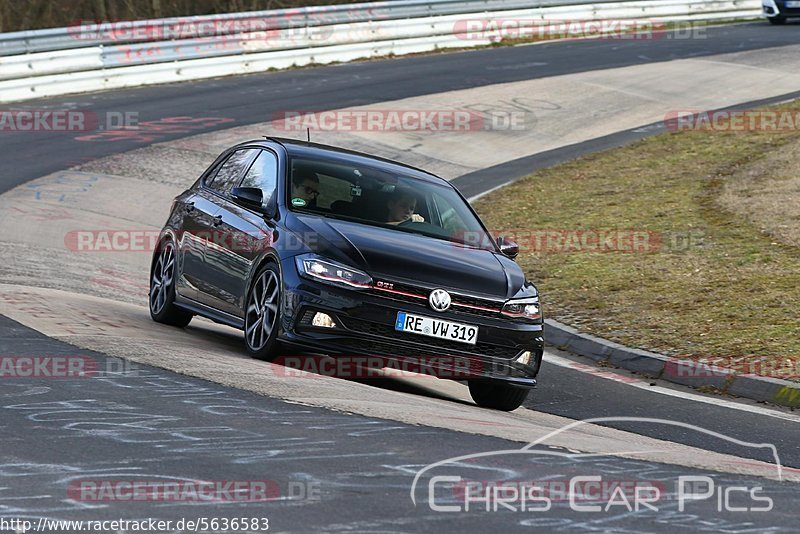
(217, 220)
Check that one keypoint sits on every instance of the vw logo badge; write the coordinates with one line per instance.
(439, 300)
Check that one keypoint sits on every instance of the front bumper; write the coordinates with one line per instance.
(365, 327)
(777, 8)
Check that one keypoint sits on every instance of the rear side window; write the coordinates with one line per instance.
(232, 170)
(263, 174)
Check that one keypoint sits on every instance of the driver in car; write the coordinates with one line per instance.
(305, 188)
(402, 206)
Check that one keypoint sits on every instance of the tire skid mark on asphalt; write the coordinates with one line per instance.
(213, 352)
(127, 424)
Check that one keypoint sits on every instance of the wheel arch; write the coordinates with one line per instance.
(271, 256)
(165, 235)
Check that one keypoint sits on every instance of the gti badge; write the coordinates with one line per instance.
(439, 300)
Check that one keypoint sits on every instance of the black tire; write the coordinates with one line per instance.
(777, 20)
(262, 313)
(496, 395)
(162, 289)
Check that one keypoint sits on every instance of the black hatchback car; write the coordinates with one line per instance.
(310, 247)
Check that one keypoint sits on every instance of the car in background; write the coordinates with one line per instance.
(310, 247)
(777, 11)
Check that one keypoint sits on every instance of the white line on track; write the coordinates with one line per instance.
(644, 384)
(479, 195)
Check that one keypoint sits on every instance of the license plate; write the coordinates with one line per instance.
(428, 326)
(792, 4)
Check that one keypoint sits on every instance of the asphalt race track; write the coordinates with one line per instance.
(341, 455)
(352, 473)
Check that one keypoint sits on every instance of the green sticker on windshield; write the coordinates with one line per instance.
(298, 202)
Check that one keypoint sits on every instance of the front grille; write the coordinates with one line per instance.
(460, 303)
(476, 306)
(307, 318)
(384, 331)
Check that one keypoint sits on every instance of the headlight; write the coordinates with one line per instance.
(332, 272)
(523, 308)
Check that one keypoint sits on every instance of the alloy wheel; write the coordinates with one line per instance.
(262, 310)
(163, 278)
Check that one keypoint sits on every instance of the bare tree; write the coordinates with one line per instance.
(100, 12)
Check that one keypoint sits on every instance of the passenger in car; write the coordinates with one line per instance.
(402, 206)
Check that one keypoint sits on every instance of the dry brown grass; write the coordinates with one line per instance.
(767, 194)
(729, 294)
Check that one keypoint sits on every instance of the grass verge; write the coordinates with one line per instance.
(704, 280)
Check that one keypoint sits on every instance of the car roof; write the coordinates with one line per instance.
(297, 148)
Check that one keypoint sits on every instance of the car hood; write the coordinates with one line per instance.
(398, 255)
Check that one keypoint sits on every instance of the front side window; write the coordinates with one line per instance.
(232, 170)
(378, 197)
(263, 174)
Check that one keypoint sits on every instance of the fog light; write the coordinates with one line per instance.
(524, 358)
(323, 320)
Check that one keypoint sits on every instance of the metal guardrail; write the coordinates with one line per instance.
(78, 36)
(104, 56)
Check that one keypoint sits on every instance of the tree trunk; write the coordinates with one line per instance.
(100, 10)
(113, 10)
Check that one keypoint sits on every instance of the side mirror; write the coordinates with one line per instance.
(253, 198)
(507, 247)
(249, 197)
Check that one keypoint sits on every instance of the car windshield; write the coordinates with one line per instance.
(377, 197)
